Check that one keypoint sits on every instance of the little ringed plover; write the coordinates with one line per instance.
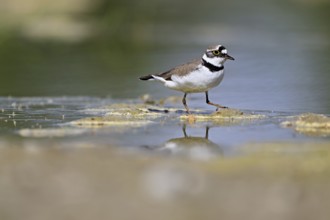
(196, 76)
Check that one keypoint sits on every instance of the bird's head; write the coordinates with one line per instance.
(216, 55)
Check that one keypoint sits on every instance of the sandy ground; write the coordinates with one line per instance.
(38, 182)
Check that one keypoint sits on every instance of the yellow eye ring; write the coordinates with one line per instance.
(215, 52)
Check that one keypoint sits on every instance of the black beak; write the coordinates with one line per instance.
(229, 57)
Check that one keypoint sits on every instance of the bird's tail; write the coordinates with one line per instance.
(148, 77)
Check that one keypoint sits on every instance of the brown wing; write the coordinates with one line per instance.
(179, 70)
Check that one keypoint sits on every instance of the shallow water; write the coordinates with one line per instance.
(48, 119)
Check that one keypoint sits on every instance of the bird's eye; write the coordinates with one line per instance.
(215, 52)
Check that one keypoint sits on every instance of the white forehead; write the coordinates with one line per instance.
(224, 51)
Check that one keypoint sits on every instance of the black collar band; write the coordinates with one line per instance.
(211, 67)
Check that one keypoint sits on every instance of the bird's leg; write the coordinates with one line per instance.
(207, 132)
(211, 103)
(185, 103)
(184, 130)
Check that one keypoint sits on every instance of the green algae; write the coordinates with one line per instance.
(136, 115)
(120, 114)
(135, 111)
(309, 124)
(223, 117)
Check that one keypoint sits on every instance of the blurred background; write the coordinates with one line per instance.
(93, 51)
(101, 47)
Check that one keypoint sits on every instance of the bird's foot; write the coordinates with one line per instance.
(221, 107)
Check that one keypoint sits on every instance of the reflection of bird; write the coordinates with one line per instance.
(196, 76)
(194, 147)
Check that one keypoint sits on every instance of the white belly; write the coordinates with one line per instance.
(200, 80)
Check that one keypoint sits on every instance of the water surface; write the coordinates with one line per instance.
(48, 119)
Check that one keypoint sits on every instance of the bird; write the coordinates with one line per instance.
(196, 76)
